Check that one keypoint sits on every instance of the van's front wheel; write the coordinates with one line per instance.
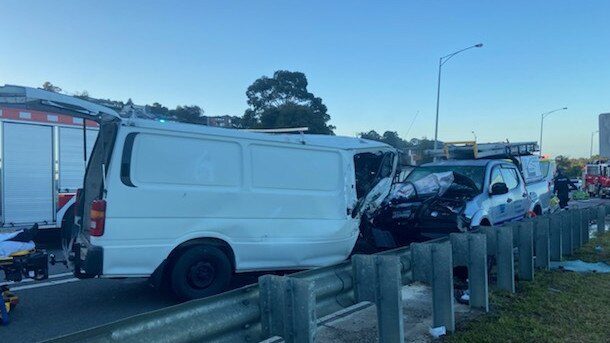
(201, 271)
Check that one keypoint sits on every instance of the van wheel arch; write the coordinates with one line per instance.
(215, 242)
(485, 222)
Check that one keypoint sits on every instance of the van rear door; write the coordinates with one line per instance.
(40, 100)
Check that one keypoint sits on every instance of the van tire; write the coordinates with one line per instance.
(199, 272)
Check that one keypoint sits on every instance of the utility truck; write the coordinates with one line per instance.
(469, 185)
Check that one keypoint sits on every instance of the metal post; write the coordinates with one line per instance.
(542, 116)
(442, 61)
(576, 229)
(601, 220)
(288, 308)
(470, 250)
(585, 222)
(566, 233)
(506, 263)
(526, 250)
(438, 97)
(433, 263)
(543, 242)
(541, 125)
(556, 237)
(377, 279)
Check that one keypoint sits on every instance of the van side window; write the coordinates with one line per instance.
(496, 177)
(510, 177)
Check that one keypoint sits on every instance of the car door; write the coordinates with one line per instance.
(518, 203)
(499, 202)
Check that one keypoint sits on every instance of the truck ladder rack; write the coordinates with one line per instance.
(474, 150)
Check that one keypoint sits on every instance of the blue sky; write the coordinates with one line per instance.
(374, 64)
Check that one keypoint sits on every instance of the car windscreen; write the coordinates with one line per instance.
(475, 173)
(593, 170)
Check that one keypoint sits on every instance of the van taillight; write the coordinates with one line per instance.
(98, 217)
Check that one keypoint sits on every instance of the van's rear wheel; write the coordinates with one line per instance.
(201, 271)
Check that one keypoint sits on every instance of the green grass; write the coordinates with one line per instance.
(556, 307)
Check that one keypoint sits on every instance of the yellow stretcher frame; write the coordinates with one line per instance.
(10, 299)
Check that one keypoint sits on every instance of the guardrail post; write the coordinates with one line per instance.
(543, 242)
(505, 260)
(470, 250)
(491, 233)
(526, 250)
(585, 222)
(556, 236)
(288, 308)
(566, 229)
(601, 219)
(377, 279)
(576, 229)
(433, 263)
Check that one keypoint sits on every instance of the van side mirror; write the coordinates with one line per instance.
(499, 188)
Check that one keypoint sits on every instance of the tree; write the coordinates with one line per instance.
(571, 167)
(157, 108)
(48, 86)
(389, 137)
(283, 101)
(189, 114)
(82, 95)
(372, 135)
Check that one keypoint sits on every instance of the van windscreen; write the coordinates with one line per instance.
(370, 168)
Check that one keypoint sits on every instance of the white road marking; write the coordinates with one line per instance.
(44, 284)
(54, 276)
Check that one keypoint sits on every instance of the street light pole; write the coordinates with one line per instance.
(442, 61)
(592, 135)
(542, 116)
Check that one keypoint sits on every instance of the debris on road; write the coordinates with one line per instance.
(581, 266)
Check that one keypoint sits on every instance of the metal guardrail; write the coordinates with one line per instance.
(289, 306)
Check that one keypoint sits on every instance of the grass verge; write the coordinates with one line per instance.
(556, 307)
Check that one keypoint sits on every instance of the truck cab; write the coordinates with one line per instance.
(495, 194)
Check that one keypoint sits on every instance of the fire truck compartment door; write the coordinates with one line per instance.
(71, 159)
(28, 173)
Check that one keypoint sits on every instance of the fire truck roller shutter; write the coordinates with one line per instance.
(28, 173)
(71, 162)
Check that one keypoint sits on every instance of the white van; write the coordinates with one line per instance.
(195, 204)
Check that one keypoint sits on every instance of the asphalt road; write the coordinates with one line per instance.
(63, 305)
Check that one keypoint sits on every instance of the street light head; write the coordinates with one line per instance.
(480, 45)
(565, 108)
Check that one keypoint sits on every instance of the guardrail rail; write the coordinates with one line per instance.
(289, 306)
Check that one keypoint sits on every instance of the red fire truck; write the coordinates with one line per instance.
(597, 179)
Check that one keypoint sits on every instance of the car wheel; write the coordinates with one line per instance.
(199, 272)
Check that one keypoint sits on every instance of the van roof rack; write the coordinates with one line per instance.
(280, 130)
(474, 150)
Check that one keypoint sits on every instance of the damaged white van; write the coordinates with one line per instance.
(196, 204)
